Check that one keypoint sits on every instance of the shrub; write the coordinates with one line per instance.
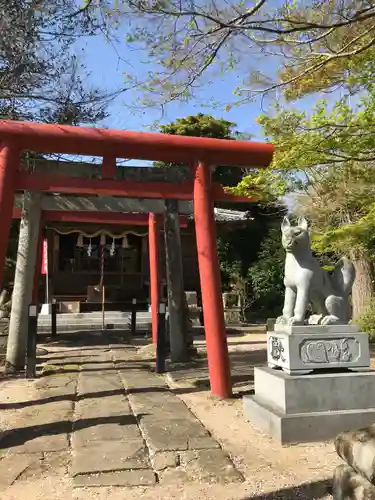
(366, 321)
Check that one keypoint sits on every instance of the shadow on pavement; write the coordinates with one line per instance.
(307, 491)
(92, 395)
(242, 371)
(19, 436)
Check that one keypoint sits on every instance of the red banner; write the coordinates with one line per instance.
(44, 257)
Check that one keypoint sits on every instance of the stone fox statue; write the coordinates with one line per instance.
(307, 283)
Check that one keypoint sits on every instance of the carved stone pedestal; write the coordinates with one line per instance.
(304, 408)
(232, 316)
(310, 390)
(194, 310)
(300, 350)
(232, 308)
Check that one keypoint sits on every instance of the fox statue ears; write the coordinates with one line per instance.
(285, 223)
(302, 223)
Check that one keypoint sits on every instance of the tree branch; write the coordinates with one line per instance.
(82, 10)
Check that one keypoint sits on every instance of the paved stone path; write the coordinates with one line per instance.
(103, 414)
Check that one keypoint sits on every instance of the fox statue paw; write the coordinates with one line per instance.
(330, 320)
(281, 320)
(295, 322)
(315, 319)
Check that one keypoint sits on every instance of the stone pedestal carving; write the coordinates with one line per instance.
(303, 349)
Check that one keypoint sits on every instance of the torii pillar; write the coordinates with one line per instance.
(38, 265)
(9, 161)
(209, 271)
(153, 250)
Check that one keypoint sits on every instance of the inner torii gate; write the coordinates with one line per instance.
(200, 153)
(153, 221)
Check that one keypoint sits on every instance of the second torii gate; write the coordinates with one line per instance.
(112, 218)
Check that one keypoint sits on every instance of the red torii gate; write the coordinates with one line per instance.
(200, 153)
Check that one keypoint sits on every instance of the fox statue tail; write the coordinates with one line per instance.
(343, 276)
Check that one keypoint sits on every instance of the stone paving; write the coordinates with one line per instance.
(101, 412)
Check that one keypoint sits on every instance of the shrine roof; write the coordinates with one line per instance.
(227, 215)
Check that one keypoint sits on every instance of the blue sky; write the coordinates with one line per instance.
(102, 60)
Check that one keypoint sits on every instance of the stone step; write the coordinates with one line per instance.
(91, 315)
(92, 325)
(117, 320)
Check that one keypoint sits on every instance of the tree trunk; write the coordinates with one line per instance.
(23, 281)
(363, 287)
(175, 280)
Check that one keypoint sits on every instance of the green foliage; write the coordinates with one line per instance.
(237, 246)
(202, 125)
(342, 56)
(330, 135)
(252, 263)
(268, 184)
(230, 264)
(358, 235)
(266, 275)
(324, 160)
(366, 321)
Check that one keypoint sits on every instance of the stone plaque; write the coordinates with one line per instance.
(345, 349)
(317, 347)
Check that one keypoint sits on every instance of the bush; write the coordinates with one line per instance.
(266, 277)
(366, 321)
